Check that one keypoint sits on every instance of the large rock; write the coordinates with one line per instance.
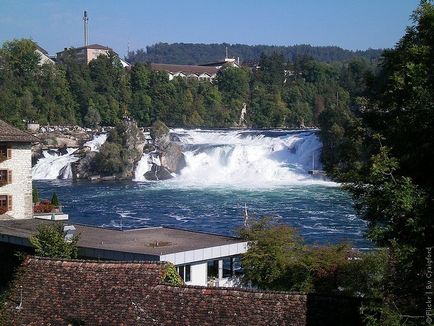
(172, 160)
(158, 173)
(82, 169)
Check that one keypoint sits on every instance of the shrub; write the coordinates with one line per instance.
(54, 200)
(49, 241)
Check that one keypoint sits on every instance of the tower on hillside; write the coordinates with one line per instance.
(85, 26)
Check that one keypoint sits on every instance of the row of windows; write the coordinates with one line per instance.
(231, 267)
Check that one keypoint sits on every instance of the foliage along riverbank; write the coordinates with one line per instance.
(382, 152)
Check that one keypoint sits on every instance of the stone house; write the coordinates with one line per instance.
(15, 172)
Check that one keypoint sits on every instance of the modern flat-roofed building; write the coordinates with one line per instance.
(200, 258)
(15, 172)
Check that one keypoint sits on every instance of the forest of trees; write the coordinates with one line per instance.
(196, 54)
(279, 93)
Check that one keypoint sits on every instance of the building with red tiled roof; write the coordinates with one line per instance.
(15, 172)
(79, 292)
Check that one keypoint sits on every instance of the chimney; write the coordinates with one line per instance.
(86, 32)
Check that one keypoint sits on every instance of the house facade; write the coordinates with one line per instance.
(15, 172)
(85, 54)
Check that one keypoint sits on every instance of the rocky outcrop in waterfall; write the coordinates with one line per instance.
(119, 155)
(166, 155)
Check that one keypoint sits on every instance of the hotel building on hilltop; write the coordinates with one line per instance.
(15, 172)
(205, 72)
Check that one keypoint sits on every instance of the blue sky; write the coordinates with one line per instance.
(351, 24)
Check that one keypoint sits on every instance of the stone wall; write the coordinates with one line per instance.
(21, 187)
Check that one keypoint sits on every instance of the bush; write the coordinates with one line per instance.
(49, 241)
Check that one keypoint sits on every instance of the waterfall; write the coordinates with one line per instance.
(96, 142)
(54, 165)
(252, 158)
(57, 165)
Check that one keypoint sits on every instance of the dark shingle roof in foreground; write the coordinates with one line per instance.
(12, 134)
(59, 292)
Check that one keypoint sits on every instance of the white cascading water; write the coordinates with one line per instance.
(145, 164)
(54, 165)
(96, 142)
(245, 158)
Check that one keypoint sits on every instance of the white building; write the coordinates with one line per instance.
(200, 258)
(43, 56)
(15, 172)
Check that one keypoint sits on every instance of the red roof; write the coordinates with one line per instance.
(58, 292)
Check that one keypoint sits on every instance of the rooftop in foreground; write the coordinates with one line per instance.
(61, 292)
(145, 243)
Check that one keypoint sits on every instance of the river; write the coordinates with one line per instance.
(265, 171)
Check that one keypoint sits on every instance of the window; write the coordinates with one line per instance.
(213, 268)
(185, 272)
(227, 267)
(5, 152)
(5, 177)
(5, 203)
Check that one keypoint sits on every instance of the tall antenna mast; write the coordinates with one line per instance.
(86, 32)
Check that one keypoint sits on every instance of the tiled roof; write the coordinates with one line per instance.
(186, 69)
(12, 134)
(57, 292)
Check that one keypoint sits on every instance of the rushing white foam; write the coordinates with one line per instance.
(96, 142)
(54, 166)
(249, 158)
